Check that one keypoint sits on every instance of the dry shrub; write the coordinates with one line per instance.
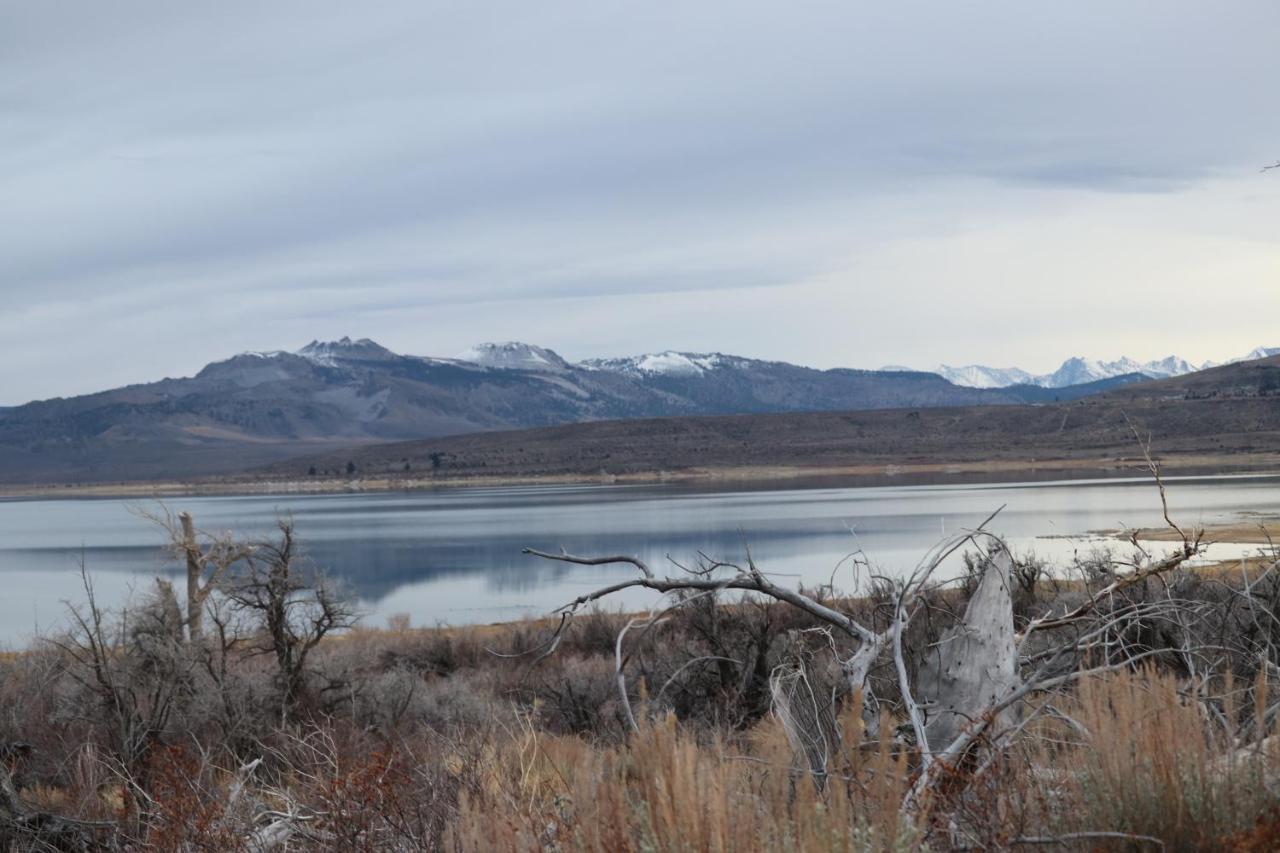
(367, 805)
(1262, 837)
(182, 816)
(437, 651)
(666, 791)
(357, 792)
(577, 695)
(1155, 759)
(459, 704)
(996, 809)
(594, 632)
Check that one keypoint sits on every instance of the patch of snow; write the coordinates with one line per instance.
(980, 376)
(902, 368)
(330, 353)
(1078, 371)
(323, 359)
(1171, 366)
(666, 363)
(565, 384)
(1260, 352)
(514, 355)
(670, 363)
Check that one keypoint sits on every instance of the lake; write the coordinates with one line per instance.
(453, 555)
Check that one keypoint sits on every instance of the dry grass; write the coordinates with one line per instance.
(1148, 754)
(664, 790)
(1133, 756)
(1257, 532)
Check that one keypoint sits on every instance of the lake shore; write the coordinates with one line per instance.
(1257, 530)
(908, 473)
(868, 474)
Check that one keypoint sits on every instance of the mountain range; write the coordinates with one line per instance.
(1222, 419)
(1077, 370)
(258, 407)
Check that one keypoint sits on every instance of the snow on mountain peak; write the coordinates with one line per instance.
(1079, 370)
(1171, 366)
(1260, 352)
(514, 355)
(979, 376)
(328, 353)
(666, 363)
(676, 363)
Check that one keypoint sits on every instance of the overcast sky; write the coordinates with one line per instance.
(834, 184)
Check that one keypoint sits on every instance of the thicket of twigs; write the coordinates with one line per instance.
(1124, 702)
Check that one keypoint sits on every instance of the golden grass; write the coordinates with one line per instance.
(666, 791)
(1134, 754)
(1148, 754)
(1256, 532)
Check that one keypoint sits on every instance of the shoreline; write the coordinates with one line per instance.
(912, 473)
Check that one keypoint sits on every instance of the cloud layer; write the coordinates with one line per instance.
(827, 183)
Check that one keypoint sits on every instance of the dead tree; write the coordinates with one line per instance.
(292, 611)
(960, 700)
(804, 702)
(208, 558)
(975, 663)
(747, 578)
(131, 686)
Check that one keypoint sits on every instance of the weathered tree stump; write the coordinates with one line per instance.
(975, 664)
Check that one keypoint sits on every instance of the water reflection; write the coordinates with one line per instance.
(454, 555)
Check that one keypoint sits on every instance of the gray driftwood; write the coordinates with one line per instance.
(975, 664)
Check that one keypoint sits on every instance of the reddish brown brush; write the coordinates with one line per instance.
(183, 816)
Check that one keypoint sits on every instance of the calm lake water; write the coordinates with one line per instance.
(453, 556)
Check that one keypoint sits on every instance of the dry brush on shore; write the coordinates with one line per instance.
(1124, 702)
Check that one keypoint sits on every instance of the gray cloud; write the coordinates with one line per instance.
(836, 183)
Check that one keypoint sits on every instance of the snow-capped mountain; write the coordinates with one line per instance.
(1172, 366)
(667, 363)
(1078, 371)
(980, 376)
(514, 355)
(1260, 352)
(329, 353)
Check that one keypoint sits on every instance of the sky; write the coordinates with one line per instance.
(833, 184)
